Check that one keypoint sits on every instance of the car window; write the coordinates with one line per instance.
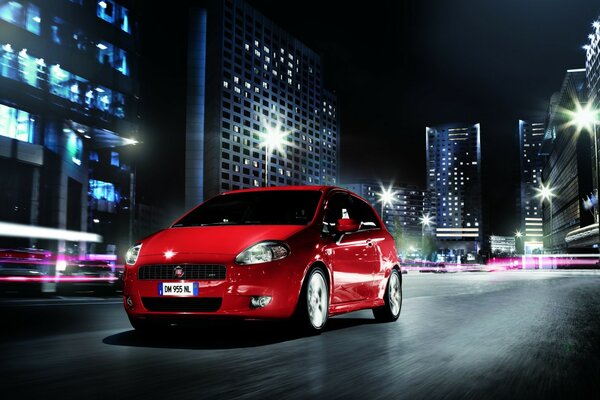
(342, 205)
(337, 207)
(364, 213)
(278, 207)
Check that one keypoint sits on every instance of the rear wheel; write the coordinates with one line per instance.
(313, 305)
(393, 300)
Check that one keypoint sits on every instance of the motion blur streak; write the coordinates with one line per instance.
(543, 261)
(26, 231)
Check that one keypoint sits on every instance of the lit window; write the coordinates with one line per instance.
(22, 14)
(105, 53)
(121, 63)
(103, 191)
(106, 10)
(16, 124)
(114, 158)
(124, 20)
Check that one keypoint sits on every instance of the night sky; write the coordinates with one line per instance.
(397, 67)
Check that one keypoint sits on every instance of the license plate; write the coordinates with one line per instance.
(178, 289)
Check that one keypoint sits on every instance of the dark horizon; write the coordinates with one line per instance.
(396, 69)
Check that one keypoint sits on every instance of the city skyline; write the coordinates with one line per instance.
(405, 82)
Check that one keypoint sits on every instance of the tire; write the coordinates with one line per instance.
(313, 304)
(393, 300)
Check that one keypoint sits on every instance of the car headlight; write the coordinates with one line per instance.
(263, 252)
(132, 254)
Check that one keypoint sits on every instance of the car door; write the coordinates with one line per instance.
(351, 253)
(378, 239)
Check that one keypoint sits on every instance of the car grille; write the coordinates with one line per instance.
(182, 304)
(190, 272)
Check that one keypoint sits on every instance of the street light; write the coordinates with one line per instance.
(547, 193)
(386, 197)
(425, 220)
(272, 140)
(518, 235)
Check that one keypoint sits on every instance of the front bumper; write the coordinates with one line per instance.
(227, 298)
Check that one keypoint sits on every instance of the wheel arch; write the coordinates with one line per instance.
(309, 268)
(397, 268)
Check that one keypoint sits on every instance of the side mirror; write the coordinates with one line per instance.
(345, 225)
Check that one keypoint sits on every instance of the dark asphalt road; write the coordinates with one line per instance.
(466, 335)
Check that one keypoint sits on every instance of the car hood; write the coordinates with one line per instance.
(230, 240)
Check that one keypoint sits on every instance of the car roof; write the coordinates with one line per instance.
(285, 188)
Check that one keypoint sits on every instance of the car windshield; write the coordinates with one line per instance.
(277, 207)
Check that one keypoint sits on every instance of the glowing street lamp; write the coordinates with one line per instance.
(426, 221)
(272, 140)
(386, 197)
(518, 234)
(547, 193)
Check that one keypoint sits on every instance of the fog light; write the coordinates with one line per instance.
(129, 302)
(259, 301)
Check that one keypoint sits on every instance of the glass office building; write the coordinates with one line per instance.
(247, 79)
(531, 135)
(454, 184)
(568, 171)
(68, 90)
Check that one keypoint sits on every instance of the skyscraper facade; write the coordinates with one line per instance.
(454, 182)
(531, 135)
(68, 90)
(250, 79)
(592, 63)
(568, 171)
(592, 72)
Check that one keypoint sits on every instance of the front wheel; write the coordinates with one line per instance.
(313, 305)
(393, 300)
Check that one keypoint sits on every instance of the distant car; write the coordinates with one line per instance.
(90, 275)
(23, 269)
(440, 268)
(302, 253)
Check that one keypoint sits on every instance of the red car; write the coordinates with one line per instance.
(301, 252)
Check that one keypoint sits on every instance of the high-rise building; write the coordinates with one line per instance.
(402, 215)
(531, 135)
(568, 225)
(592, 63)
(68, 89)
(249, 79)
(592, 72)
(454, 183)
